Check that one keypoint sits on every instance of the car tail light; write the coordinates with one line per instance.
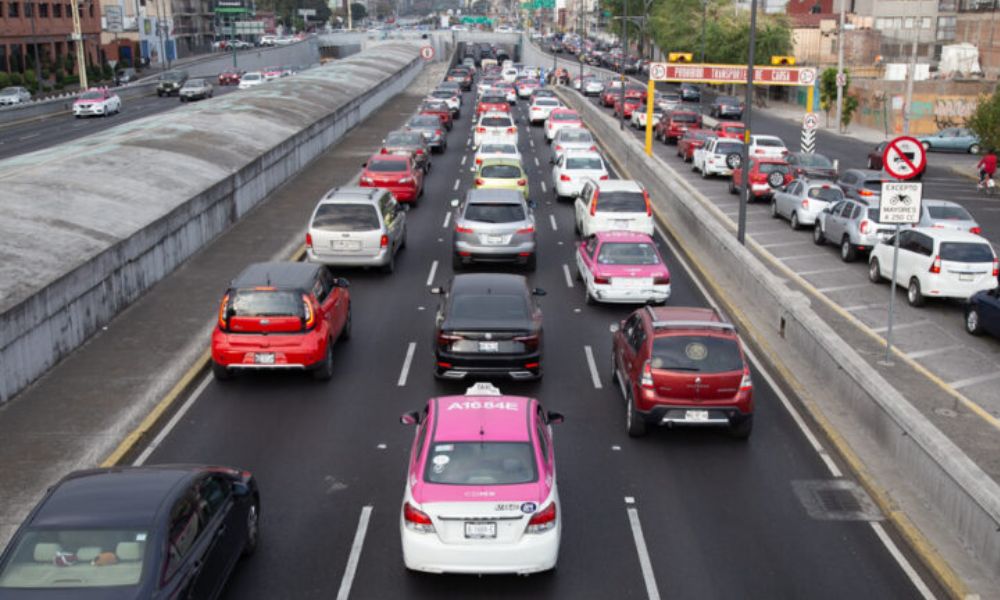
(309, 320)
(649, 209)
(758, 151)
(437, 132)
(661, 280)
(598, 280)
(460, 229)
(530, 341)
(865, 226)
(746, 384)
(511, 129)
(522, 182)
(866, 193)
(558, 147)
(416, 520)
(479, 181)
(309, 240)
(647, 376)
(367, 180)
(976, 230)
(805, 204)
(384, 150)
(223, 321)
(996, 268)
(420, 152)
(479, 161)
(593, 148)
(543, 520)
(936, 265)
(384, 242)
(564, 177)
(593, 204)
(526, 230)
(445, 339)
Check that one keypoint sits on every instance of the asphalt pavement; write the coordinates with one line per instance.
(719, 517)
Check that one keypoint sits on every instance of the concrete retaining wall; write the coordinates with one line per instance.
(877, 417)
(91, 224)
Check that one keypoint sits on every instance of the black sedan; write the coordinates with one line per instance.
(134, 532)
(982, 313)
(488, 324)
(811, 165)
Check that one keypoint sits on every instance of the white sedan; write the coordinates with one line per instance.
(719, 156)
(767, 146)
(572, 168)
(97, 102)
(541, 108)
(501, 147)
(251, 80)
(638, 119)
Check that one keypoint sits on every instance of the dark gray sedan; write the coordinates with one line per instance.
(195, 89)
(432, 130)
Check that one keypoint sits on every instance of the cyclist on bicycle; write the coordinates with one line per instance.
(987, 167)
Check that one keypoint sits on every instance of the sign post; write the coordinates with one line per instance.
(657, 72)
(809, 124)
(899, 205)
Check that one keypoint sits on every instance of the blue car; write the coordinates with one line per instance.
(982, 313)
(952, 139)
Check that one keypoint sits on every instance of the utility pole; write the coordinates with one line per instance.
(704, 16)
(81, 64)
(350, 17)
(840, 66)
(621, 91)
(745, 163)
(910, 75)
(34, 43)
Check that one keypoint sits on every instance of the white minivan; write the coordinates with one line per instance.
(936, 263)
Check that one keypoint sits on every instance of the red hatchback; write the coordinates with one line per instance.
(395, 173)
(281, 315)
(230, 77)
(729, 130)
(691, 141)
(766, 175)
(682, 367)
(672, 126)
(631, 103)
(440, 109)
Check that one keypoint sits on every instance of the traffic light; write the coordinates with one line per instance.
(679, 57)
(783, 61)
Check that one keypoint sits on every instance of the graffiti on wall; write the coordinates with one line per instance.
(953, 111)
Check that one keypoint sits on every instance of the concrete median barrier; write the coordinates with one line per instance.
(90, 225)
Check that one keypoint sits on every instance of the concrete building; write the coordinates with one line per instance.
(47, 24)
(933, 22)
(978, 23)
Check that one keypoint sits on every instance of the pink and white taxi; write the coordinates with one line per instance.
(99, 102)
(623, 267)
(481, 492)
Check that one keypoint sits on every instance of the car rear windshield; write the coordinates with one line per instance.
(494, 100)
(766, 168)
(728, 148)
(195, 83)
(575, 135)
(874, 185)
(481, 463)
(948, 212)
(401, 138)
(500, 171)
(969, 252)
(425, 121)
(498, 149)
(827, 193)
(387, 166)
(495, 122)
(584, 162)
(770, 143)
(266, 303)
(494, 212)
(346, 217)
(77, 558)
(564, 117)
(702, 354)
(490, 308)
(442, 94)
(91, 96)
(625, 202)
(684, 118)
(627, 253)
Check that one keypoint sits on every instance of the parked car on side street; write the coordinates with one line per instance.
(982, 313)
(951, 139)
(803, 200)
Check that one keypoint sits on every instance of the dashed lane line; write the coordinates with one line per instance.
(640, 547)
(593, 366)
(355, 556)
(405, 372)
(569, 277)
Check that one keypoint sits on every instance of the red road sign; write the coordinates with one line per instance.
(904, 158)
(733, 74)
(427, 52)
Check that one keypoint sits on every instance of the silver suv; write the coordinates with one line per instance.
(851, 224)
(862, 184)
(494, 226)
(356, 226)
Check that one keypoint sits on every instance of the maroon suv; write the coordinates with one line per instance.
(681, 366)
(672, 125)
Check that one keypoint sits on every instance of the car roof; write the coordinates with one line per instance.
(485, 283)
(500, 160)
(619, 185)
(689, 318)
(279, 274)
(379, 157)
(351, 194)
(483, 416)
(623, 236)
(494, 196)
(952, 235)
(115, 497)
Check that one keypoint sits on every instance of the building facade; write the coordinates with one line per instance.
(48, 25)
(978, 23)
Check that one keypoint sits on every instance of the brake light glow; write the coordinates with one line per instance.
(526, 230)
(936, 265)
(603, 178)
(479, 181)
(976, 230)
(460, 229)
(564, 177)
(420, 151)
(416, 520)
(558, 147)
(865, 225)
(480, 130)
(384, 151)
(746, 384)
(309, 320)
(543, 520)
(647, 376)
(309, 240)
(384, 242)
(996, 268)
(866, 193)
(511, 129)
(223, 321)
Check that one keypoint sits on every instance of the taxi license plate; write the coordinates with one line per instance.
(345, 244)
(264, 358)
(489, 346)
(965, 276)
(696, 415)
(479, 531)
(632, 282)
(620, 222)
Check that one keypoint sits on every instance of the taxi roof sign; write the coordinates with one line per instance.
(483, 388)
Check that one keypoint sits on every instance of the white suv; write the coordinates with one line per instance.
(719, 156)
(937, 263)
(613, 205)
(494, 125)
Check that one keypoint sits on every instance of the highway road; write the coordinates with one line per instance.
(38, 135)
(719, 517)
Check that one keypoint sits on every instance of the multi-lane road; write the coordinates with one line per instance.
(718, 517)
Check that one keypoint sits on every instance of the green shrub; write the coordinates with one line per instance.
(16, 79)
(4, 79)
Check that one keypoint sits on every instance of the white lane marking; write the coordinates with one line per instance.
(961, 383)
(903, 563)
(904, 326)
(593, 366)
(463, 159)
(819, 271)
(144, 456)
(355, 556)
(457, 183)
(430, 276)
(536, 162)
(858, 307)
(406, 364)
(781, 244)
(531, 142)
(569, 278)
(932, 351)
(447, 219)
(841, 288)
(28, 137)
(543, 187)
(552, 220)
(799, 256)
(640, 546)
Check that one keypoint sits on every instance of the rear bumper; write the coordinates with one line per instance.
(612, 295)
(475, 252)
(310, 351)
(678, 416)
(533, 553)
(459, 366)
(349, 260)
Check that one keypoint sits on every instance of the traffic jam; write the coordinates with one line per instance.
(480, 493)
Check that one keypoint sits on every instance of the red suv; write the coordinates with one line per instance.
(766, 175)
(691, 141)
(396, 173)
(281, 315)
(631, 103)
(682, 367)
(672, 125)
(439, 109)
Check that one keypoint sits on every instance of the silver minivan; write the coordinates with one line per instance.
(356, 226)
(494, 225)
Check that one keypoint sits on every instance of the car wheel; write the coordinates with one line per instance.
(732, 188)
(926, 145)
(531, 264)
(818, 238)
(774, 209)
(253, 528)
(324, 371)
(635, 425)
(390, 266)
(913, 294)
(221, 372)
(974, 149)
(345, 333)
(794, 221)
(456, 263)
(742, 430)
(972, 321)
(874, 271)
(847, 250)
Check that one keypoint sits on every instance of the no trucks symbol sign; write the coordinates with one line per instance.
(427, 53)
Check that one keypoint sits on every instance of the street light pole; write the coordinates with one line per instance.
(81, 65)
(621, 67)
(840, 66)
(34, 43)
(704, 16)
(745, 163)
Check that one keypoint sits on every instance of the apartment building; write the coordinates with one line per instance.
(47, 24)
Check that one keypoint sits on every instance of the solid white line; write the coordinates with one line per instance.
(897, 326)
(780, 244)
(430, 276)
(543, 187)
(857, 307)
(932, 351)
(536, 162)
(28, 137)
(144, 456)
(463, 159)
(457, 183)
(406, 364)
(640, 546)
(593, 365)
(569, 278)
(841, 288)
(552, 219)
(903, 563)
(352, 560)
(961, 383)
(798, 256)
(818, 271)
(447, 219)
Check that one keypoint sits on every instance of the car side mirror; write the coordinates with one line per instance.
(614, 327)
(364, 165)
(532, 204)
(538, 292)
(554, 418)
(410, 418)
(342, 282)
(436, 290)
(240, 489)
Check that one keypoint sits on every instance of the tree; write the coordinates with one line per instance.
(828, 93)
(847, 112)
(985, 121)
(358, 12)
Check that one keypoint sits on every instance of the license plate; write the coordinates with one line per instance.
(494, 240)
(479, 531)
(696, 415)
(965, 277)
(489, 346)
(264, 358)
(345, 244)
(620, 222)
(632, 282)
